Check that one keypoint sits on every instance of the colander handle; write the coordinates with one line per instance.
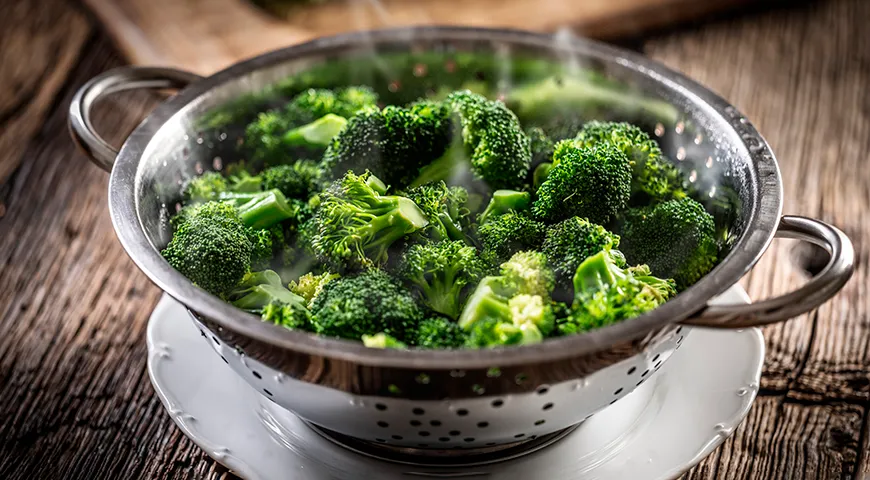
(116, 80)
(814, 293)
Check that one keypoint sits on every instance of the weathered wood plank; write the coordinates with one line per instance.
(39, 43)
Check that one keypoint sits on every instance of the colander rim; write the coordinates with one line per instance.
(764, 178)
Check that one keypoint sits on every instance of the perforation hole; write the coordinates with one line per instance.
(397, 437)
(380, 406)
(454, 433)
(435, 423)
(418, 411)
(443, 439)
(540, 422)
(257, 374)
(425, 434)
(215, 340)
(224, 359)
(383, 424)
(462, 412)
(645, 372)
(468, 440)
(658, 364)
(547, 406)
(656, 357)
(267, 392)
(482, 424)
(415, 423)
(543, 390)
(381, 440)
(497, 403)
(618, 391)
(520, 435)
(632, 370)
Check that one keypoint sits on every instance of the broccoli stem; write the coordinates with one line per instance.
(400, 217)
(503, 201)
(485, 303)
(442, 292)
(317, 133)
(597, 272)
(261, 210)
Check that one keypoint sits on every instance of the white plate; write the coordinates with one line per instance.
(659, 431)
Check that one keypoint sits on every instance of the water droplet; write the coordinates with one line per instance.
(357, 402)
(217, 163)
(693, 176)
(420, 70)
(679, 128)
(698, 139)
(199, 141)
(222, 136)
(279, 378)
(659, 130)
(681, 154)
(709, 162)
(394, 86)
(742, 392)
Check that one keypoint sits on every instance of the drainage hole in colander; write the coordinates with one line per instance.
(639, 383)
(435, 423)
(454, 433)
(520, 435)
(489, 444)
(497, 403)
(380, 440)
(679, 339)
(225, 359)
(613, 401)
(383, 424)
(397, 437)
(425, 434)
(547, 406)
(443, 439)
(380, 406)
(540, 422)
(267, 392)
(257, 374)
(632, 370)
(644, 373)
(543, 390)
(415, 423)
(659, 364)
(680, 329)
(468, 440)
(418, 411)
(618, 391)
(482, 424)
(656, 357)
(215, 340)
(462, 412)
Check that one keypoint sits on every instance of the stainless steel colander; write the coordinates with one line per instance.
(474, 400)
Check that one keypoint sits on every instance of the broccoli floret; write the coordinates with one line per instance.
(356, 225)
(593, 183)
(498, 149)
(291, 315)
(258, 289)
(205, 187)
(298, 180)
(393, 143)
(506, 234)
(607, 294)
(313, 104)
(273, 141)
(438, 332)
(262, 210)
(504, 201)
(263, 245)
(365, 304)
(241, 181)
(654, 178)
(382, 340)
(539, 176)
(512, 308)
(542, 146)
(440, 273)
(571, 241)
(675, 238)
(310, 285)
(444, 207)
(211, 247)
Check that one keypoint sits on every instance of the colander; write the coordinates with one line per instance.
(468, 401)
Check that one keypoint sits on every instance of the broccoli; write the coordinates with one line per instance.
(506, 234)
(513, 308)
(313, 104)
(310, 285)
(211, 247)
(571, 241)
(290, 315)
(542, 146)
(241, 181)
(262, 210)
(438, 332)
(205, 187)
(440, 273)
(539, 176)
(393, 143)
(504, 201)
(297, 180)
(654, 178)
(444, 207)
(382, 340)
(675, 238)
(593, 183)
(263, 243)
(606, 293)
(498, 149)
(356, 225)
(365, 304)
(258, 289)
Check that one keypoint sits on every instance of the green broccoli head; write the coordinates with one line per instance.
(506, 234)
(571, 241)
(504, 201)
(382, 340)
(438, 332)
(258, 289)
(607, 293)
(542, 146)
(365, 304)
(206, 187)
(297, 180)
(310, 285)
(532, 310)
(290, 315)
(262, 210)
(393, 143)
(675, 238)
(444, 207)
(499, 151)
(441, 272)
(211, 247)
(654, 178)
(314, 103)
(355, 225)
(593, 183)
(527, 272)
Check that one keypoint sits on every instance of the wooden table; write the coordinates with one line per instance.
(75, 401)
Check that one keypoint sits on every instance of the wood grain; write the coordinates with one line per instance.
(207, 35)
(75, 401)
